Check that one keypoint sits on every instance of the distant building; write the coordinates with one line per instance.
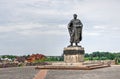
(34, 57)
(0, 60)
(21, 59)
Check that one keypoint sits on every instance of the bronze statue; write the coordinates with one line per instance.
(75, 30)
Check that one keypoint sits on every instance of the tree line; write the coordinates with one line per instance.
(102, 56)
(88, 56)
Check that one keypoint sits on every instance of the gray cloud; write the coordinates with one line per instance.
(33, 26)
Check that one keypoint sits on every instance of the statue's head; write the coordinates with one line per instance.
(75, 16)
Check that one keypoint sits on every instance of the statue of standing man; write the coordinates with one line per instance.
(75, 30)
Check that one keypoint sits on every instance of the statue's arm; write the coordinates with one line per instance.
(70, 27)
(81, 25)
(70, 24)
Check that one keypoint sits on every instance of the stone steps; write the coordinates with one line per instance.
(91, 65)
(62, 67)
(98, 66)
(83, 67)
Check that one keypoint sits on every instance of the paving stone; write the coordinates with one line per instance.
(18, 73)
(103, 73)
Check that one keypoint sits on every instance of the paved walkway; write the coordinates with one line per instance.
(30, 73)
(18, 73)
(103, 73)
(41, 74)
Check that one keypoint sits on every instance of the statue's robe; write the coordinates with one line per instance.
(75, 30)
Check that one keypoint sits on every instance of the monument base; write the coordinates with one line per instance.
(73, 54)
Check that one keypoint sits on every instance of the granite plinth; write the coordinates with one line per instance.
(73, 54)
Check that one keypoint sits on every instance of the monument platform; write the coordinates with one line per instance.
(73, 54)
(72, 67)
(73, 60)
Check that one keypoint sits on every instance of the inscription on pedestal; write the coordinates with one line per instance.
(73, 54)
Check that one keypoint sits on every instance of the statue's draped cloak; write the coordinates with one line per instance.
(75, 30)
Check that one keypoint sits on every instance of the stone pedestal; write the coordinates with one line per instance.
(73, 54)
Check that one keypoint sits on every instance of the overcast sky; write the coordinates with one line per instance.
(40, 26)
